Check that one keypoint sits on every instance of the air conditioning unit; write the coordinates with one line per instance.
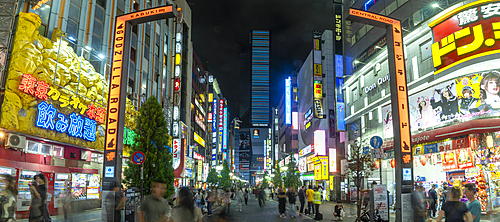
(135, 96)
(129, 90)
(16, 141)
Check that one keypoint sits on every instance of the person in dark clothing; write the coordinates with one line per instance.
(302, 198)
(337, 212)
(282, 202)
(262, 197)
(39, 210)
(433, 200)
(454, 209)
(292, 199)
(246, 194)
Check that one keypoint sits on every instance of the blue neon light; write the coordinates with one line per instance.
(75, 126)
(288, 100)
(62, 124)
(224, 139)
(46, 115)
(369, 4)
(89, 129)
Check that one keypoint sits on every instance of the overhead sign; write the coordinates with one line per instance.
(465, 33)
(138, 157)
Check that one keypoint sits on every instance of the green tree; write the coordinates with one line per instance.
(213, 177)
(225, 179)
(277, 180)
(152, 139)
(292, 178)
(265, 182)
(360, 167)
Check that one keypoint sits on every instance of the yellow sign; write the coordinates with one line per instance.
(331, 182)
(324, 167)
(318, 70)
(317, 171)
(198, 139)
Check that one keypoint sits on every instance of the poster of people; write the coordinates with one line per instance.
(463, 98)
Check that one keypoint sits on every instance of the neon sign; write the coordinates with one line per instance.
(319, 143)
(288, 101)
(224, 139)
(176, 153)
(76, 126)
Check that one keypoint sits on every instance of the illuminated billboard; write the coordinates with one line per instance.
(319, 143)
(465, 33)
(288, 101)
(224, 137)
(295, 120)
(332, 160)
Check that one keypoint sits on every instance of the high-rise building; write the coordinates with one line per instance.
(260, 40)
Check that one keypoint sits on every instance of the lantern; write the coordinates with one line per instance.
(377, 164)
(423, 160)
(393, 163)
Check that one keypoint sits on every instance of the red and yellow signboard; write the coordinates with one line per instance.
(465, 33)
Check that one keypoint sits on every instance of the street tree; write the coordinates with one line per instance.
(225, 179)
(360, 167)
(152, 138)
(265, 182)
(213, 177)
(292, 178)
(277, 180)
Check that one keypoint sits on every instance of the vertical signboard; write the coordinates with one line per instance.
(288, 100)
(332, 160)
(318, 76)
(221, 128)
(319, 143)
(224, 132)
(399, 102)
(118, 88)
(339, 67)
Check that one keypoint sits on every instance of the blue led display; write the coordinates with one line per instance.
(369, 4)
(75, 126)
(89, 129)
(46, 115)
(288, 101)
(62, 124)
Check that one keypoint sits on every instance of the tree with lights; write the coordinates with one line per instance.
(292, 178)
(152, 138)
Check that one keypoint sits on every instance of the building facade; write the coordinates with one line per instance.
(451, 101)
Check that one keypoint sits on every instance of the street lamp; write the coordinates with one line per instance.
(436, 5)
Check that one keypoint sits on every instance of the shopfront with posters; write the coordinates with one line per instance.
(453, 97)
(53, 116)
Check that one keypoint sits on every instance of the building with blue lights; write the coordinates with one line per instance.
(261, 42)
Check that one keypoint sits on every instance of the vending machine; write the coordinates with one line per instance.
(94, 186)
(79, 185)
(61, 188)
(26, 177)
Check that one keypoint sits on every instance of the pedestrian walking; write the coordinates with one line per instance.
(227, 201)
(418, 204)
(199, 198)
(185, 211)
(262, 197)
(154, 207)
(310, 199)
(66, 201)
(210, 202)
(39, 210)
(246, 194)
(302, 198)
(338, 211)
(453, 209)
(256, 192)
(317, 203)
(281, 202)
(292, 199)
(239, 198)
(474, 206)
(8, 197)
(433, 201)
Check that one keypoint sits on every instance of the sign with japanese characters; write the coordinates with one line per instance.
(338, 29)
(176, 153)
(49, 118)
(465, 33)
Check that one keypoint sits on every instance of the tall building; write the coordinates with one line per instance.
(260, 40)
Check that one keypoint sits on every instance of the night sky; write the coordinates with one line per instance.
(221, 32)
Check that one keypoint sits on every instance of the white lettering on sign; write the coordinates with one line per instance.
(176, 152)
(380, 81)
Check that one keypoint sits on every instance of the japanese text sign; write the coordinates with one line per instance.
(466, 33)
